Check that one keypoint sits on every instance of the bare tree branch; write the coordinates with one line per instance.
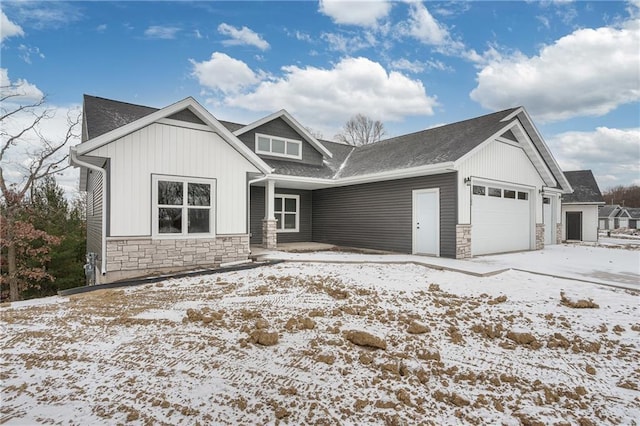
(361, 130)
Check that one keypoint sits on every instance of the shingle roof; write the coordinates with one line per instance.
(431, 146)
(634, 212)
(585, 188)
(605, 211)
(103, 115)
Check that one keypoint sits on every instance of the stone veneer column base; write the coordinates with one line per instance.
(539, 236)
(558, 233)
(463, 241)
(269, 234)
(136, 257)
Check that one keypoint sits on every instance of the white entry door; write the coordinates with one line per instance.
(426, 221)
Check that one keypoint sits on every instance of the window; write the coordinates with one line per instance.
(182, 206)
(279, 147)
(546, 200)
(509, 194)
(523, 196)
(287, 209)
(478, 190)
(495, 192)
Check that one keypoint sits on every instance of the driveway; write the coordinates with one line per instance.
(611, 266)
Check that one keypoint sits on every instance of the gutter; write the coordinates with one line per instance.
(75, 161)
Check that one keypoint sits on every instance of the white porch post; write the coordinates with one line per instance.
(269, 235)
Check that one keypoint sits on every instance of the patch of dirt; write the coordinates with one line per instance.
(579, 304)
(364, 338)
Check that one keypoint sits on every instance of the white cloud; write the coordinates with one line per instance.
(224, 73)
(613, 153)
(18, 91)
(363, 13)
(27, 51)
(422, 26)
(325, 98)
(101, 28)
(588, 72)
(348, 43)
(44, 14)
(418, 66)
(8, 28)
(160, 32)
(242, 36)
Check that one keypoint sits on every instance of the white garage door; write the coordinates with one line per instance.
(500, 219)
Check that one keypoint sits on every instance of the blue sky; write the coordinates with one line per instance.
(574, 65)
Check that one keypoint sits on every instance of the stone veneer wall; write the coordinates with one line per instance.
(131, 257)
(269, 233)
(539, 236)
(463, 241)
(558, 233)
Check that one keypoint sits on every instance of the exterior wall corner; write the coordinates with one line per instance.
(463, 241)
(539, 236)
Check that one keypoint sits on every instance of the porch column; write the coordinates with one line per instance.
(269, 236)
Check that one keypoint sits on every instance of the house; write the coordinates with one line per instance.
(607, 216)
(175, 188)
(634, 217)
(580, 208)
(614, 216)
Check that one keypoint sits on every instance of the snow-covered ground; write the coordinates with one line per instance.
(507, 349)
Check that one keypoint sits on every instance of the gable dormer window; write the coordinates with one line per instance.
(278, 147)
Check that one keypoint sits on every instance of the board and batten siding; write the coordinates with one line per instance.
(94, 212)
(179, 151)
(379, 215)
(501, 162)
(257, 215)
(279, 127)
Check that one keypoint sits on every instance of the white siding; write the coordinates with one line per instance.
(589, 220)
(170, 150)
(501, 162)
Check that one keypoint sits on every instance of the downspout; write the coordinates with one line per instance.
(103, 172)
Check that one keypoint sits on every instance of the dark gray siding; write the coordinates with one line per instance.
(379, 215)
(257, 214)
(279, 127)
(186, 115)
(94, 212)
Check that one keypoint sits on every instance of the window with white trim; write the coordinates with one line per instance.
(287, 212)
(279, 147)
(183, 206)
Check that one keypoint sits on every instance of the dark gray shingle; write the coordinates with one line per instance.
(585, 188)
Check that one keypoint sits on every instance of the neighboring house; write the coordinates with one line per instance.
(174, 188)
(607, 216)
(580, 209)
(634, 217)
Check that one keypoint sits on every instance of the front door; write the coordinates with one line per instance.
(426, 221)
(574, 226)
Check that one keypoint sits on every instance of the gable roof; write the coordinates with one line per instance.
(123, 117)
(585, 188)
(432, 146)
(634, 212)
(288, 118)
(608, 211)
(102, 115)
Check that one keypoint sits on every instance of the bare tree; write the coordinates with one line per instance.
(361, 130)
(45, 157)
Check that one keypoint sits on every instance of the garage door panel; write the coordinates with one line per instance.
(499, 224)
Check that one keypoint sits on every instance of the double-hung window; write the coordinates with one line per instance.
(287, 212)
(279, 147)
(183, 206)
